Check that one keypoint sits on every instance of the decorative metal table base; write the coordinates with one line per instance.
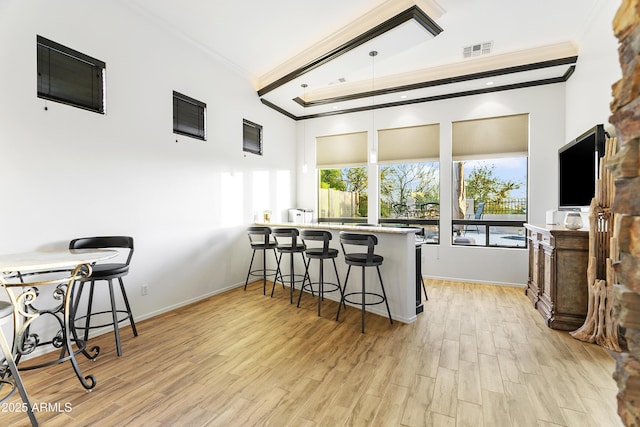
(24, 297)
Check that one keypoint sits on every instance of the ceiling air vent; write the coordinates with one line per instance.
(340, 80)
(477, 49)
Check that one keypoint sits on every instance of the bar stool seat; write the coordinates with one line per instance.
(320, 253)
(289, 244)
(360, 259)
(260, 240)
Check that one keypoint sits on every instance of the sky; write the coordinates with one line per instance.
(508, 168)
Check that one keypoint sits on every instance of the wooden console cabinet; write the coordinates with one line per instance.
(557, 284)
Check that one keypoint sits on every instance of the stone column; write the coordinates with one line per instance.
(625, 166)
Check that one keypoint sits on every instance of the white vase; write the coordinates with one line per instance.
(573, 221)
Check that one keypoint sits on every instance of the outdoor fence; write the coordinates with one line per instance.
(506, 207)
(337, 204)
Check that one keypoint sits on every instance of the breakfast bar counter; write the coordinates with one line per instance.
(398, 247)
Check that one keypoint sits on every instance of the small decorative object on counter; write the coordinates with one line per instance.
(267, 216)
(573, 221)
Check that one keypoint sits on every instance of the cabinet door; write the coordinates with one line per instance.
(547, 282)
(533, 279)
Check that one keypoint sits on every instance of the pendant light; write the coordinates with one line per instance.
(373, 155)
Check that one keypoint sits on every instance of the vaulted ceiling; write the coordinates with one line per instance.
(315, 58)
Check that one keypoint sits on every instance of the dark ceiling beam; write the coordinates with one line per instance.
(439, 82)
(414, 12)
(492, 89)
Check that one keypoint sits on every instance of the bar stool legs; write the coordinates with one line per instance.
(128, 315)
(363, 293)
(291, 275)
(321, 283)
(260, 240)
(321, 253)
(362, 259)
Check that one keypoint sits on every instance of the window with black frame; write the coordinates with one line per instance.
(343, 193)
(70, 77)
(489, 181)
(251, 137)
(189, 116)
(410, 178)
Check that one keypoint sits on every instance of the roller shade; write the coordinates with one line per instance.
(409, 144)
(491, 137)
(341, 150)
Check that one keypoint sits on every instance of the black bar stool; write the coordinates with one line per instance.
(9, 375)
(260, 240)
(320, 253)
(359, 259)
(289, 244)
(106, 272)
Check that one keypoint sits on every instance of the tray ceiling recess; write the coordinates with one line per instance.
(342, 77)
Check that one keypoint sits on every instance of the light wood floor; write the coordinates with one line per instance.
(479, 355)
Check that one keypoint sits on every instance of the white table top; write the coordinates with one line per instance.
(46, 260)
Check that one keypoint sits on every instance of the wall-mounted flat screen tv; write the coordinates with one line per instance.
(579, 168)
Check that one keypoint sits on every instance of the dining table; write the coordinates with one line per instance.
(40, 285)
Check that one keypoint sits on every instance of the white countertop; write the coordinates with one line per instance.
(340, 227)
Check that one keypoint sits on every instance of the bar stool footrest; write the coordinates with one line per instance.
(109, 323)
(269, 272)
(359, 302)
(297, 278)
(333, 287)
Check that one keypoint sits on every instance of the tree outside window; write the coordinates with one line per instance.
(490, 190)
(405, 189)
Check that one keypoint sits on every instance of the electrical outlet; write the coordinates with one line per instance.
(144, 289)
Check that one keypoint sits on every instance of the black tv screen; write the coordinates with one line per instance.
(579, 162)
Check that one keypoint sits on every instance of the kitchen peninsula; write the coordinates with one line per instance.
(398, 247)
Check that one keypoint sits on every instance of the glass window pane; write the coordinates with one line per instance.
(489, 191)
(410, 193)
(343, 193)
(410, 190)
(507, 237)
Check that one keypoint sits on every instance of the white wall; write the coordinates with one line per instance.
(598, 68)
(68, 173)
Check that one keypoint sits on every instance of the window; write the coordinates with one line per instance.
(251, 137)
(70, 77)
(490, 181)
(189, 116)
(342, 164)
(343, 193)
(410, 193)
(410, 177)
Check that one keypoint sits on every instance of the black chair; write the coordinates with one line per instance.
(289, 244)
(320, 253)
(260, 240)
(430, 210)
(400, 210)
(9, 375)
(105, 272)
(362, 259)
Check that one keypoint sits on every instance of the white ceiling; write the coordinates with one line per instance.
(265, 40)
